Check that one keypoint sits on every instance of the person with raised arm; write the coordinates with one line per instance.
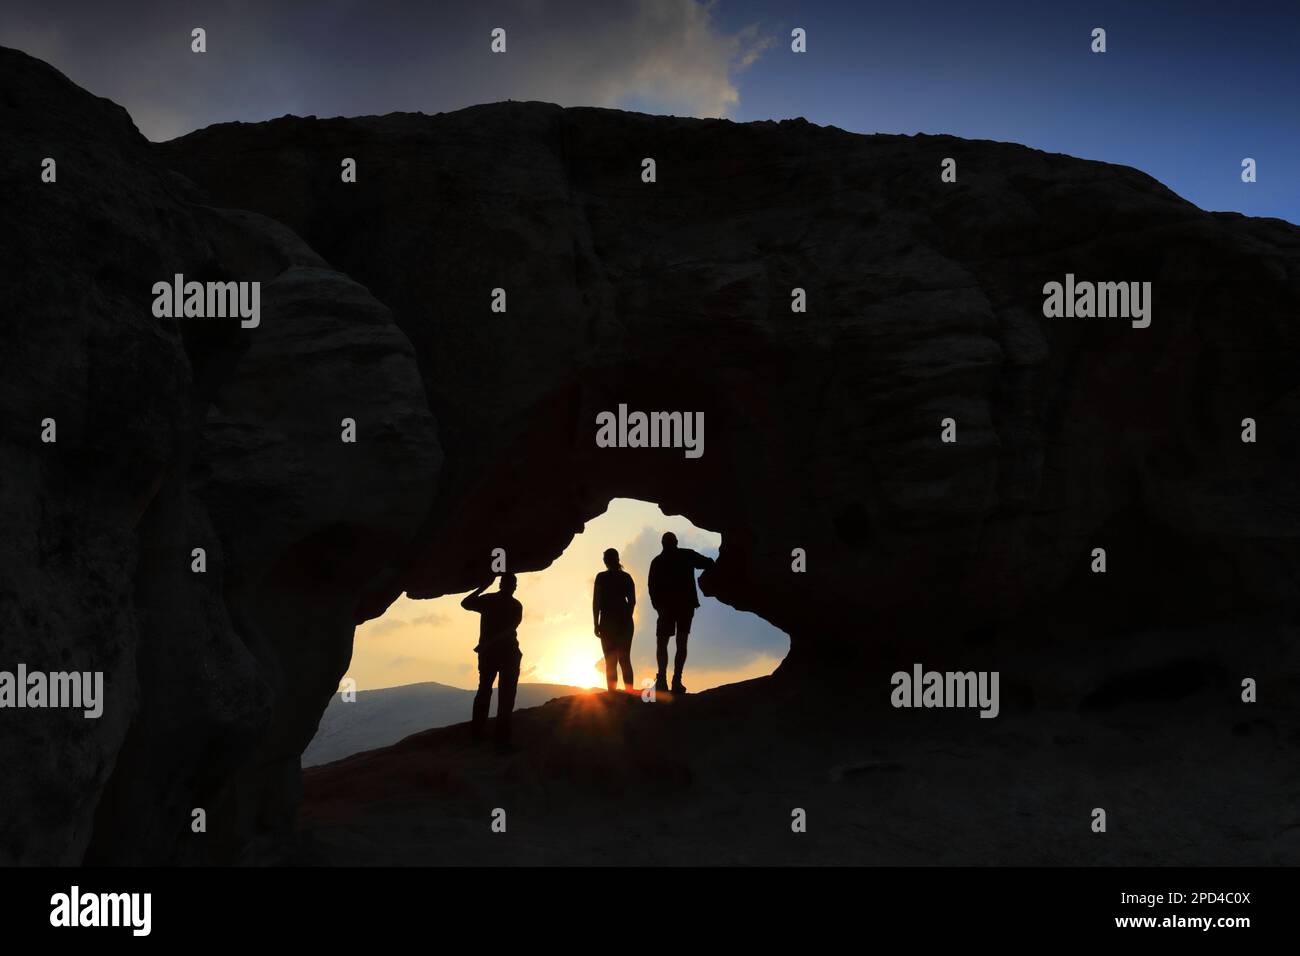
(498, 655)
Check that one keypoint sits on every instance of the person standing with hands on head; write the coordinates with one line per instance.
(498, 655)
(674, 597)
(613, 600)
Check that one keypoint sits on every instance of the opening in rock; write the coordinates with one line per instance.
(414, 667)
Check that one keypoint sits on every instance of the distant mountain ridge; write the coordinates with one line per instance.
(381, 717)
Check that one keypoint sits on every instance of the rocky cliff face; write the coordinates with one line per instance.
(823, 429)
(925, 301)
(174, 435)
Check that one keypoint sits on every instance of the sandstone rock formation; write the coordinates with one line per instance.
(173, 435)
(822, 429)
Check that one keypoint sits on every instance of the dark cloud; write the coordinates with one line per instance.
(349, 57)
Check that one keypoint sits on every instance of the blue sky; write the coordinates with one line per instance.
(1184, 92)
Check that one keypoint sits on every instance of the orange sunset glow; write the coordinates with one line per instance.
(432, 640)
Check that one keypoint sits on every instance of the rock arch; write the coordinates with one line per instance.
(477, 428)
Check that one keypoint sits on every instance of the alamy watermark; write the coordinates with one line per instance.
(37, 689)
(1086, 300)
(75, 908)
(651, 430)
(922, 688)
(208, 300)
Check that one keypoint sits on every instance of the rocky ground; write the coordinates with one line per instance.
(713, 779)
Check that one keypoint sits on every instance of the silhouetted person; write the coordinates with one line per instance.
(498, 655)
(673, 595)
(612, 600)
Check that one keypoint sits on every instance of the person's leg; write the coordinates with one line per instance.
(625, 661)
(508, 684)
(663, 631)
(683, 633)
(483, 699)
(608, 648)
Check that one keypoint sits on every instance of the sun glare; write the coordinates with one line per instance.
(574, 660)
(430, 640)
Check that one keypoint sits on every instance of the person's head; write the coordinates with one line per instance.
(670, 541)
(611, 559)
(507, 584)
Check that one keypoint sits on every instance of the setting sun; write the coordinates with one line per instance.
(431, 640)
(574, 660)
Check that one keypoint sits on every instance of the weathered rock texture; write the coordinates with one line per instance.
(925, 302)
(822, 429)
(174, 435)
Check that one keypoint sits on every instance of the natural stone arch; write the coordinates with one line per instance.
(922, 304)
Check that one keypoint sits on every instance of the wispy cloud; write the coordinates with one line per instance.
(385, 625)
(667, 57)
(431, 620)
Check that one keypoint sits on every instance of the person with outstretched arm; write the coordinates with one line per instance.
(674, 597)
(498, 655)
